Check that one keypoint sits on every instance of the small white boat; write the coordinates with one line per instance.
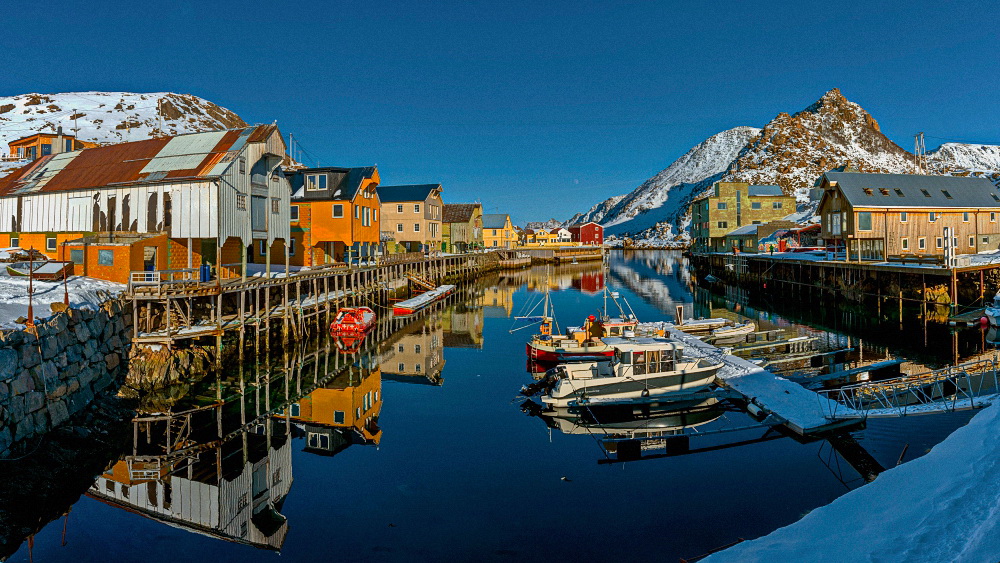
(993, 312)
(640, 367)
(414, 304)
(736, 331)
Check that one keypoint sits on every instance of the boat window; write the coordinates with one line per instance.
(639, 361)
(624, 357)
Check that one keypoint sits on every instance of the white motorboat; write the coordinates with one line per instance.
(639, 368)
(993, 312)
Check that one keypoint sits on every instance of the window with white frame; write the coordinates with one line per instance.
(293, 212)
(315, 182)
(932, 216)
(338, 210)
(416, 208)
(972, 241)
(399, 208)
(902, 216)
(291, 248)
(275, 205)
(357, 212)
(965, 217)
(904, 244)
(399, 227)
(241, 202)
(263, 247)
(921, 243)
(15, 241)
(416, 227)
(939, 242)
(50, 243)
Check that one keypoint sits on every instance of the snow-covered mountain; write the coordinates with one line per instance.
(791, 151)
(109, 117)
(544, 225)
(658, 198)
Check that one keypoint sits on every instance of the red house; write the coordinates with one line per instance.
(587, 233)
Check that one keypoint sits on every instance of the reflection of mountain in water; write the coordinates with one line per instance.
(659, 277)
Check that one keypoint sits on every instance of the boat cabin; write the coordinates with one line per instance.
(642, 356)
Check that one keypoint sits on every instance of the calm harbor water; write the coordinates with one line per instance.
(417, 448)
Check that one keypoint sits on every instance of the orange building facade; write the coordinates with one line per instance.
(334, 215)
(44, 144)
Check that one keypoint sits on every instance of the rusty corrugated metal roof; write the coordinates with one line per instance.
(194, 155)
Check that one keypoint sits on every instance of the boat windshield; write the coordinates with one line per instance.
(649, 361)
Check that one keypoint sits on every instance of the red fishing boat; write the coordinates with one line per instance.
(352, 321)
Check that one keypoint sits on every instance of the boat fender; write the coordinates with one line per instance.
(754, 410)
(645, 393)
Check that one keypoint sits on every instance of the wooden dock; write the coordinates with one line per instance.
(169, 307)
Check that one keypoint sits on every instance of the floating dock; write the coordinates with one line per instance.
(799, 409)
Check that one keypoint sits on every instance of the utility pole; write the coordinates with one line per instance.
(919, 154)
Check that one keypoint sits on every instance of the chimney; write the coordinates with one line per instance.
(59, 141)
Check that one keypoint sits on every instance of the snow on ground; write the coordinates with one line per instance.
(944, 506)
(83, 293)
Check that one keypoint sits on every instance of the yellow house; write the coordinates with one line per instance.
(498, 231)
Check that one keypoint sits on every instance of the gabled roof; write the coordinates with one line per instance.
(580, 225)
(915, 190)
(410, 192)
(351, 182)
(495, 220)
(195, 156)
(459, 212)
(757, 191)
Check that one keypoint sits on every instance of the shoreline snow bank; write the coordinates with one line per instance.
(83, 293)
(944, 506)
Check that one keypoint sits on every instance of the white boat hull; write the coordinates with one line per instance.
(574, 391)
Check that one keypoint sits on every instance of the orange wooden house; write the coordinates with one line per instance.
(44, 144)
(334, 214)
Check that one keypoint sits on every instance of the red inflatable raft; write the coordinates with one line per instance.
(352, 321)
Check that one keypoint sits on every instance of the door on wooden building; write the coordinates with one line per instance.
(208, 251)
(149, 258)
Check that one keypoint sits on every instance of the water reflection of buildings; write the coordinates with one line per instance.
(341, 413)
(463, 326)
(415, 354)
(230, 490)
(497, 301)
(220, 463)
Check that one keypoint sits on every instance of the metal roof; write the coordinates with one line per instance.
(770, 190)
(915, 190)
(191, 156)
(744, 230)
(459, 212)
(495, 220)
(411, 192)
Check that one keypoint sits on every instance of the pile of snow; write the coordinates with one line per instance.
(940, 507)
(83, 293)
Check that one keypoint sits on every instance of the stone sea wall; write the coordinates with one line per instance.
(54, 371)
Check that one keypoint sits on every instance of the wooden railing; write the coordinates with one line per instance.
(159, 278)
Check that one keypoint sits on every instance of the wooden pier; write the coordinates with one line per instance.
(965, 283)
(169, 307)
(564, 254)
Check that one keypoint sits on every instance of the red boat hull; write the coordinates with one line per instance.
(540, 355)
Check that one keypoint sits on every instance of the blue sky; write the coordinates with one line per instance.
(539, 109)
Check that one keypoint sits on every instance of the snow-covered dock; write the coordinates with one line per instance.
(801, 410)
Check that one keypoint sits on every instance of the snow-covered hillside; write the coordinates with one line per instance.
(791, 151)
(109, 117)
